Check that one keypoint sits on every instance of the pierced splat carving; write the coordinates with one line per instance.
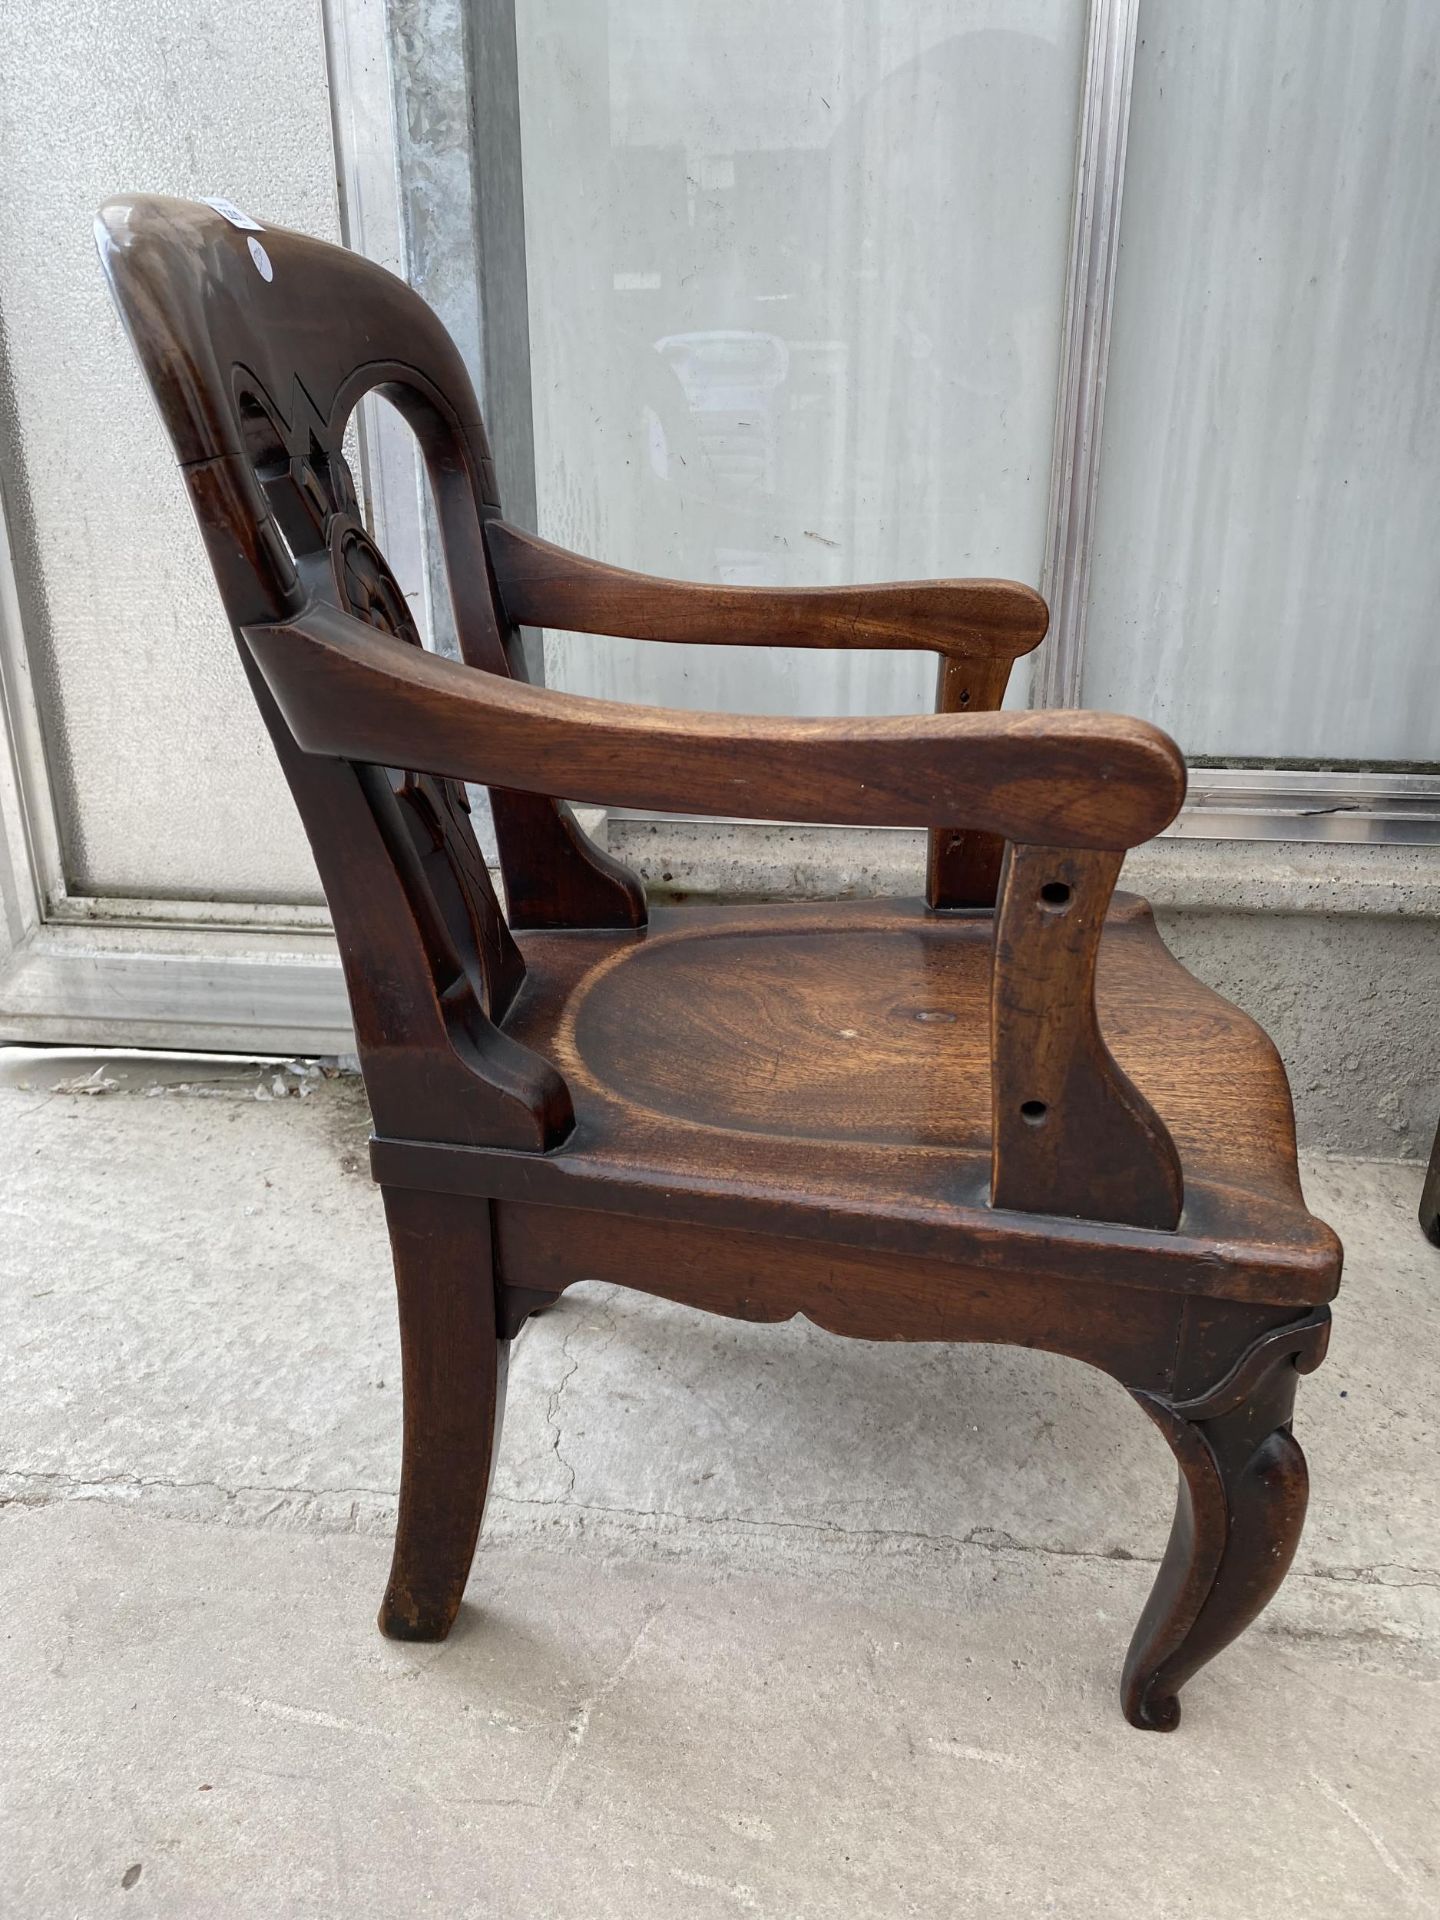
(311, 491)
(367, 586)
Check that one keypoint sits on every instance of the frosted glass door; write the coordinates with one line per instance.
(1267, 568)
(796, 280)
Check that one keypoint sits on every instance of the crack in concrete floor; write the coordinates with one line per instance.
(47, 1489)
(196, 1608)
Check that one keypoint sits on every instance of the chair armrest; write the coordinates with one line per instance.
(978, 627)
(1068, 779)
(541, 585)
(1069, 791)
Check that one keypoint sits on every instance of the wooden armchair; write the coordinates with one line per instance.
(951, 1119)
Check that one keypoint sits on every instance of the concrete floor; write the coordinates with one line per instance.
(765, 1622)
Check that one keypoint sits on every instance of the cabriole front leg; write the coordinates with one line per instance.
(1241, 1505)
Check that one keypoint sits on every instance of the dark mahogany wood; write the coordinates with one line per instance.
(1085, 780)
(978, 627)
(1430, 1195)
(453, 1376)
(1243, 1492)
(1065, 1120)
(1002, 1113)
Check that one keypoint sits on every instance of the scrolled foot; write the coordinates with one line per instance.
(1156, 1713)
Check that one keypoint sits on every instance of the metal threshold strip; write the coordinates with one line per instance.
(1275, 803)
(1365, 808)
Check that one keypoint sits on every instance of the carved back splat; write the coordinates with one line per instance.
(258, 347)
(310, 490)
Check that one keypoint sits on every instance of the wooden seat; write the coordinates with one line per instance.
(1001, 1113)
(776, 1047)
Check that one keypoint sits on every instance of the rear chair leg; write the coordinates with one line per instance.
(1243, 1492)
(453, 1370)
(1430, 1195)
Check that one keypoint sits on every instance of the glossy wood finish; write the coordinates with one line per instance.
(542, 585)
(978, 1118)
(453, 1371)
(978, 627)
(830, 1065)
(1430, 1195)
(1243, 1492)
(1082, 779)
(1068, 1124)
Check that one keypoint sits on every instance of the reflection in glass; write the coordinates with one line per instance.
(795, 279)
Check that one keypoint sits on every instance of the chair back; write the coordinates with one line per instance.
(258, 345)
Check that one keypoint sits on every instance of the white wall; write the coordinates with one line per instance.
(165, 781)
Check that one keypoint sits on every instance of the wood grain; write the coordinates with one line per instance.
(979, 628)
(542, 585)
(1072, 1134)
(962, 869)
(825, 1069)
(959, 1121)
(1077, 779)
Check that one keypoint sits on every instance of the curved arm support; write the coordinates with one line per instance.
(1071, 1132)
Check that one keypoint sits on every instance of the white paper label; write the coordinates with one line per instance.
(228, 210)
(261, 258)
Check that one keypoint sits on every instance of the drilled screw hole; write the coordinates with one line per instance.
(1033, 1112)
(965, 697)
(1055, 893)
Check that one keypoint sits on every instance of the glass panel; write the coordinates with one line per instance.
(796, 278)
(164, 780)
(1266, 568)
